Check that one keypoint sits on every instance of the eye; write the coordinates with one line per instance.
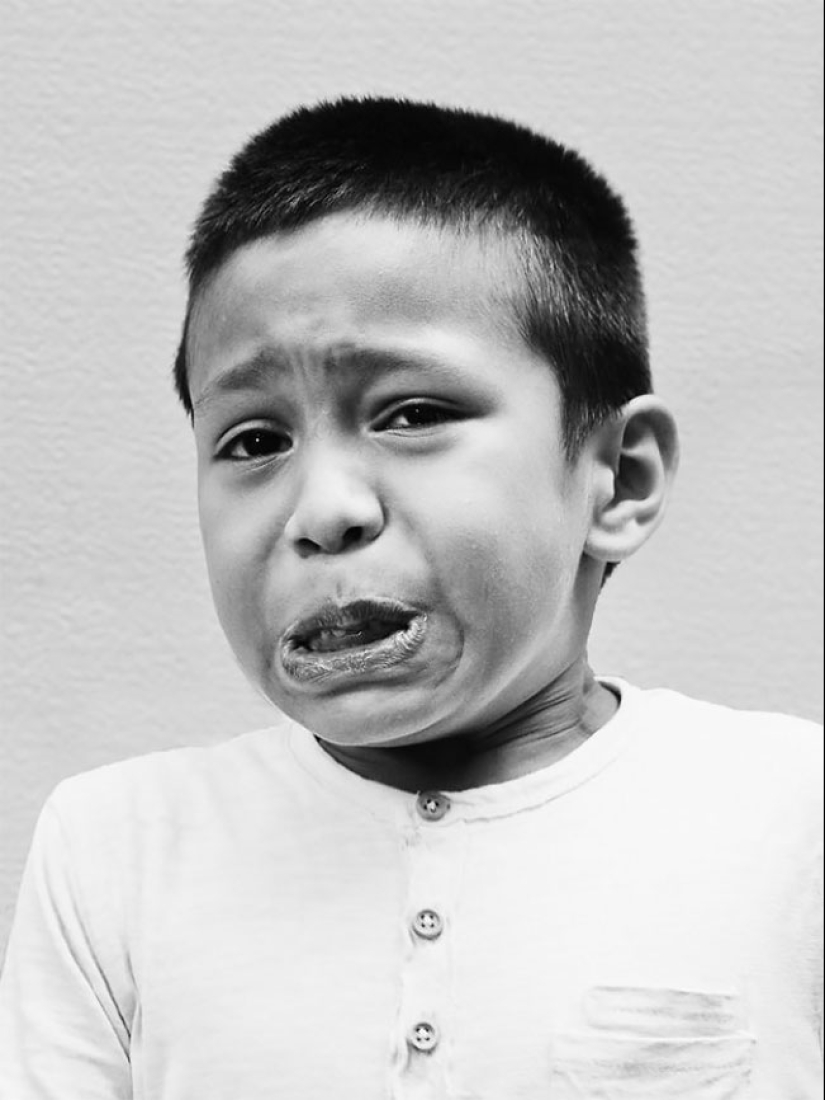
(254, 443)
(418, 414)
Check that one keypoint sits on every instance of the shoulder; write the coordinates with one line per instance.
(753, 730)
(685, 714)
(760, 754)
(176, 785)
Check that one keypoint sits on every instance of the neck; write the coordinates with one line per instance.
(540, 731)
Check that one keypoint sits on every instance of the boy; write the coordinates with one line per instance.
(415, 361)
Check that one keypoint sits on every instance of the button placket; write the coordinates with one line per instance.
(434, 860)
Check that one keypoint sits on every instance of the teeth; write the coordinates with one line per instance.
(333, 638)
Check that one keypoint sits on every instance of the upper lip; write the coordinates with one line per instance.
(331, 615)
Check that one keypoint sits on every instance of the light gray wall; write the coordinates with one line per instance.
(705, 114)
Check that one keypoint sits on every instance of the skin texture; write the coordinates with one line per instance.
(370, 425)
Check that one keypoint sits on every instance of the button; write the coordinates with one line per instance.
(428, 924)
(424, 1037)
(432, 805)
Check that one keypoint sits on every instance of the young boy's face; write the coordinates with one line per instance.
(393, 533)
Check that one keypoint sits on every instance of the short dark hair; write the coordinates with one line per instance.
(581, 302)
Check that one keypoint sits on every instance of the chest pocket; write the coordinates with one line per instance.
(653, 1044)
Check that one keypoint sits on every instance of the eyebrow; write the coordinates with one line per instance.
(254, 374)
(249, 374)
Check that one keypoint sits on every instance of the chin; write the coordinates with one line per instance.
(368, 717)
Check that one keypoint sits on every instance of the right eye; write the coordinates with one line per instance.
(252, 443)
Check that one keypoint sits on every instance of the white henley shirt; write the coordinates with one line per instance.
(252, 920)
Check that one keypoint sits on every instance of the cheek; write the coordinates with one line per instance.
(505, 567)
(235, 549)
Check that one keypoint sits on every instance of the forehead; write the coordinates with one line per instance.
(347, 278)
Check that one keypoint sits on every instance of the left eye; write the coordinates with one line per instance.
(418, 414)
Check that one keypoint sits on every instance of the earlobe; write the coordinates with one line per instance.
(635, 456)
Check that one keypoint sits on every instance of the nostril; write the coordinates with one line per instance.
(351, 537)
(306, 548)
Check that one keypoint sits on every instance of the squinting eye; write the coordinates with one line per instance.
(419, 414)
(255, 443)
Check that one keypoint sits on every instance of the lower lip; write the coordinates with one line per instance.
(305, 666)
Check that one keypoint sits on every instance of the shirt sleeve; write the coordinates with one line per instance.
(62, 1033)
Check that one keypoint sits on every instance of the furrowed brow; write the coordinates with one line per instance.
(250, 374)
(370, 362)
(255, 374)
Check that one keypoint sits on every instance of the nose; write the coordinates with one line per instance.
(336, 507)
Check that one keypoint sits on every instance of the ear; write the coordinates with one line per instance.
(635, 456)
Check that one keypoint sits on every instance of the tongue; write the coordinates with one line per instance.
(337, 638)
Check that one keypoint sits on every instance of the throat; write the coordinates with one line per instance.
(538, 734)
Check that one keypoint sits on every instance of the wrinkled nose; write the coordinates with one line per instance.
(336, 509)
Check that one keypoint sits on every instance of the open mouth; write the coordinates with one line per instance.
(335, 639)
(354, 638)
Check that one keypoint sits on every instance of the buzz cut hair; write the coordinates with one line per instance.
(578, 300)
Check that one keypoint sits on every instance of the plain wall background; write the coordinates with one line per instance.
(706, 115)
